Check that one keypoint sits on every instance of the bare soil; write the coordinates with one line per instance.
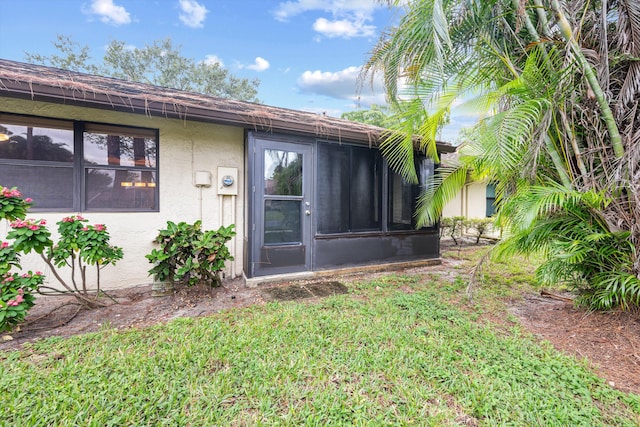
(609, 342)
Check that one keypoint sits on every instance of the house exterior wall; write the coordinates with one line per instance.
(455, 206)
(184, 147)
(470, 202)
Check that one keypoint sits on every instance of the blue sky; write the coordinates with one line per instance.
(306, 53)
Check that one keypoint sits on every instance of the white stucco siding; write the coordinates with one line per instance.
(470, 202)
(455, 206)
(185, 147)
(476, 200)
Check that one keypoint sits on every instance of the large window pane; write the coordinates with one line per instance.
(282, 173)
(333, 189)
(282, 221)
(119, 147)
(349, 189)
(365, 189)
(23, 142)
(120, 189)
(402, 197)
(49, 187)
(426, 169)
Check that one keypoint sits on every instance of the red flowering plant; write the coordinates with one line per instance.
(16, 297)
(12, 205)
(16, 290)
(81, 245)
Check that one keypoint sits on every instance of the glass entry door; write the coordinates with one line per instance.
(282, 208)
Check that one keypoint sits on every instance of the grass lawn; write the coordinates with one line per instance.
(396, 350)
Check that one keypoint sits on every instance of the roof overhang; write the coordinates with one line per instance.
(46, 84)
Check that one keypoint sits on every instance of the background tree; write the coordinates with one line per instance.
(377, 115)
(160, 63)
(558, 84)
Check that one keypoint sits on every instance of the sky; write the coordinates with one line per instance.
(307, 54)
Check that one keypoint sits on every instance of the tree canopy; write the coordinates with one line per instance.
(556, 85)
(376, 115)
(160, 63)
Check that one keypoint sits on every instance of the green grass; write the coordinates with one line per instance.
(397, 350)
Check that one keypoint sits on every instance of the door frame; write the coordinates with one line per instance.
(257, 144)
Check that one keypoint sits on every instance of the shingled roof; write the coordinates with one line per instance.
(40, 83)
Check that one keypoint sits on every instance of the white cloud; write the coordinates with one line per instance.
(348, 17)
(292, 8)
(212, 60)
(343, 28)
(192, 13)
(260, 64)
(108, 12)
(342, 85)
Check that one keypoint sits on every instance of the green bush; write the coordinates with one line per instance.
(452, 227)
(189, 255)
(79, 245)
(457, 226)
(582, 249)
(478, 227)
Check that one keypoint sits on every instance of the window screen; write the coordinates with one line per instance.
(349, 189)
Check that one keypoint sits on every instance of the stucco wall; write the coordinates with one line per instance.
(185, 147)
(455, 207)
(470, 202)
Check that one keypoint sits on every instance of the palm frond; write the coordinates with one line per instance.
(443, 187)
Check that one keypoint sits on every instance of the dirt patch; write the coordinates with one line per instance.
(609, 341)
(131, 307)
(304, 290)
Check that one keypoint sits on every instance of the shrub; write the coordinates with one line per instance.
(452, 227)
(478, 227)
(79, 245)
(189, 255)
(582, 249)
(16, 290)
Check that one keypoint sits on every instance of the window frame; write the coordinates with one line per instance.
(416, 191)
(491, 207)
(79, 165)
(384, 197)
(380, 177)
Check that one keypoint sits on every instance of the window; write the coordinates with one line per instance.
(403, 196)
(75, 166)
(491, 200)
(349, 189)
(283, 180)
(119, 168)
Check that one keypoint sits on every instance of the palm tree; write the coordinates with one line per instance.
(558, 85)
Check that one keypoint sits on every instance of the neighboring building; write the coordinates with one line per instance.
(475, 200)
(306, 192)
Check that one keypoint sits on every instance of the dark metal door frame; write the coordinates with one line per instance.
(288, 252)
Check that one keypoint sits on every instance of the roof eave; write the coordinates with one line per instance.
(137, 105)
